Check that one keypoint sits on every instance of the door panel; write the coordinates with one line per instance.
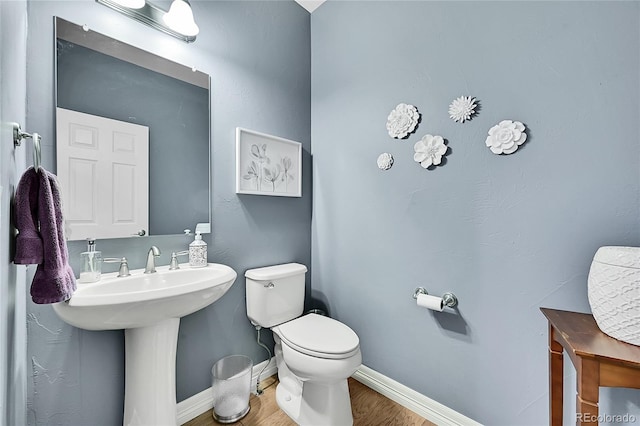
(99, 156)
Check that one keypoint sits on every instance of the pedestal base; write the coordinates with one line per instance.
(150, 374)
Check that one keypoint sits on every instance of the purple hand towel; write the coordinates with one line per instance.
(54, 280)
(28, 242)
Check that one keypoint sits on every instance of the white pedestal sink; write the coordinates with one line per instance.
(148, 307)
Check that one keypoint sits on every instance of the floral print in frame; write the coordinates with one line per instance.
(267, 165)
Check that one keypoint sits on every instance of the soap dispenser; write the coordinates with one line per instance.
(91, 268)
(198, 252)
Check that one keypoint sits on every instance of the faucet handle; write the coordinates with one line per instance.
(123, 271)
(174, 259)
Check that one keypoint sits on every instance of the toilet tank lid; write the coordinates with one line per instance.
(275, 272)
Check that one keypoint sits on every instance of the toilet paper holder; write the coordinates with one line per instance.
(448, 299)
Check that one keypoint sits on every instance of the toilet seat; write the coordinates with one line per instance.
(319, 336)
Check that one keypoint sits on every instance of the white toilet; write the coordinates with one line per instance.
(315, 354)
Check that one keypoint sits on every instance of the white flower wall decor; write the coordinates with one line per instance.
(506, 136)
(429, 150)
(385, 161)
(402, 121)
(462, 108)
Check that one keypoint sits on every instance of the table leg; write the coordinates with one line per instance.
(555, 380)
(588, 380)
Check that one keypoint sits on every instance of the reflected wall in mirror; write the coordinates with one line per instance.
(110, 97)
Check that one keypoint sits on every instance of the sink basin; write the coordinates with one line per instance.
(144, 299)
(148, 307)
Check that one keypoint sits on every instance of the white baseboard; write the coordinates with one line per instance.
(201, 402)
(414, 401)
(426, 407)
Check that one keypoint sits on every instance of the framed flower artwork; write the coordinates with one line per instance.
(267, 165)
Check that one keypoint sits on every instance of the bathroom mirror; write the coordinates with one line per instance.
(103, 80)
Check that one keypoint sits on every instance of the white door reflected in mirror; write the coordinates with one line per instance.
(103, 171)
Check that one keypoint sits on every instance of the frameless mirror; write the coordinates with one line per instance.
(132, 138)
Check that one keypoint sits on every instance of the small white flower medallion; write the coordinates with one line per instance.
(429, 150)
(402, 121)
(462, 108)
(385, 161)
(506, 136)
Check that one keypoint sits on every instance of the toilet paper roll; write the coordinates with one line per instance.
(430, 302)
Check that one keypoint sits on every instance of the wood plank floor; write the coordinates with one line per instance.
(369, 409)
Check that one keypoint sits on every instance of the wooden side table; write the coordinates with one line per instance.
(599, 360)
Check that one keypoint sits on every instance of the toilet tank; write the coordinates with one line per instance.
(275, 294)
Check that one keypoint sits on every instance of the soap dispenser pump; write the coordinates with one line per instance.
(198, 252)
(91, 269)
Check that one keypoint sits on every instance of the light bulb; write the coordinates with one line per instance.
(180, 18)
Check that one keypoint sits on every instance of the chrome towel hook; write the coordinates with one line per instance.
(19, 136)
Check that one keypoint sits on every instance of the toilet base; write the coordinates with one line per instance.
(319, 404)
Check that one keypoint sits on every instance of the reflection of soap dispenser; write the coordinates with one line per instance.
(91, 268)
(198, 252)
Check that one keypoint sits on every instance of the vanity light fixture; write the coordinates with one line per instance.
(132, 4)
(180, 18)
(177, 22)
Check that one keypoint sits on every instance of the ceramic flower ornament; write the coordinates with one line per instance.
(385, 161)
(462, 108)
(402, 121)
(506, 137)
(429, 150)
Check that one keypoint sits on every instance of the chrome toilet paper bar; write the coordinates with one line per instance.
(448, 299)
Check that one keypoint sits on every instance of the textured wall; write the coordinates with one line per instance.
(13, 338)
(506, 234)
(257, 54)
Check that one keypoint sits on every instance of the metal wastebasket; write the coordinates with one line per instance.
(231, 384)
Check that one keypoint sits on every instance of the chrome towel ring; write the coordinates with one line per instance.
(19, 136)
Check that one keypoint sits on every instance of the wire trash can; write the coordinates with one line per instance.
(231, 384)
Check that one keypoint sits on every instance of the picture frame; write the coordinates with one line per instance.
(267, 164)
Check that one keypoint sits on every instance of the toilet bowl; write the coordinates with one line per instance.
(309, 367)
(315, 355)
(319, 354)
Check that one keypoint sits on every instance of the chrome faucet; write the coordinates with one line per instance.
(151, 260)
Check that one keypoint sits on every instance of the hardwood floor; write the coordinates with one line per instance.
(369, 409)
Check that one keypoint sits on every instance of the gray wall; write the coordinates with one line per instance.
(13, 336)
(257, 54)
(506, 234)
